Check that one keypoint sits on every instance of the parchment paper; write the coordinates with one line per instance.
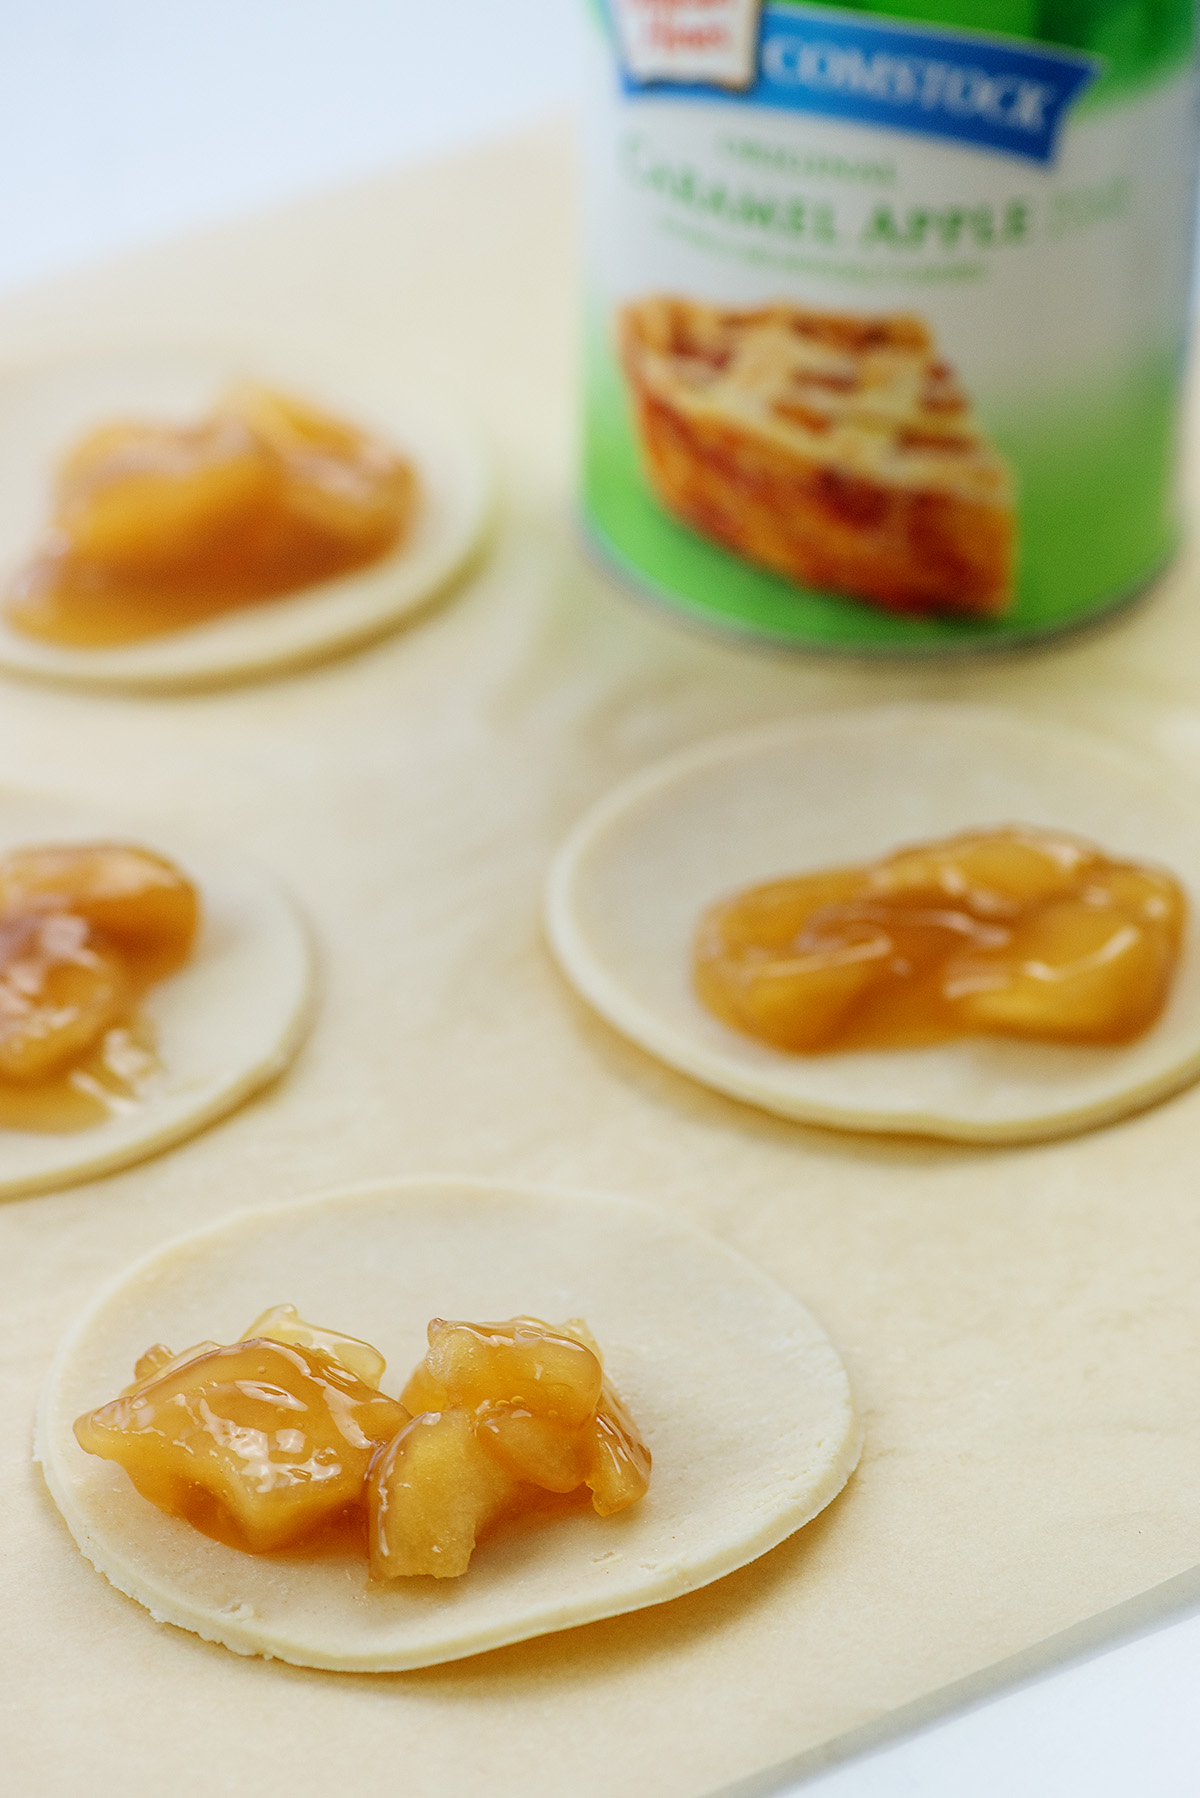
(1021, 1326)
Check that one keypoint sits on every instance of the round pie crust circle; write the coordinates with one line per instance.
(226, 1023)
(743, 1401)
(45, 410)
(629, 885)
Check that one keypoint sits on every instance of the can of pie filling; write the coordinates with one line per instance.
(887, 313)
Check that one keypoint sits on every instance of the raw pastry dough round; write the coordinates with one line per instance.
(743, 1401)
(228, 1022)
(43, 411)
(628, 887)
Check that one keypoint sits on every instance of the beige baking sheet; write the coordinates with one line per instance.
(1022, 1326)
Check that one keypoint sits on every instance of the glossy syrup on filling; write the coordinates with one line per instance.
(1014, 932)
(158, 526)
(283, 1440)
(85, 930)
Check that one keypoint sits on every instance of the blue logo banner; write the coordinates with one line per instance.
(996, 93)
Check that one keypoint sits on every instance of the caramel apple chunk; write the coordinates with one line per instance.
(542, 1450)
(261, 1444)
(1016, 932)
(502, 1411)
(59, 992)
(618, 1471)
(522, 1362)
(158, 526)
(283, 1323)
(432, 1493)
(84, 929)
(137, 900)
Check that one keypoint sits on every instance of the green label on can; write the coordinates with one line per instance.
(875, 388)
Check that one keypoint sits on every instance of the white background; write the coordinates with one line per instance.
(122, 121)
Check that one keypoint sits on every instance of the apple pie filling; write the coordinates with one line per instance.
(1012, 932)
(285, 1435)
